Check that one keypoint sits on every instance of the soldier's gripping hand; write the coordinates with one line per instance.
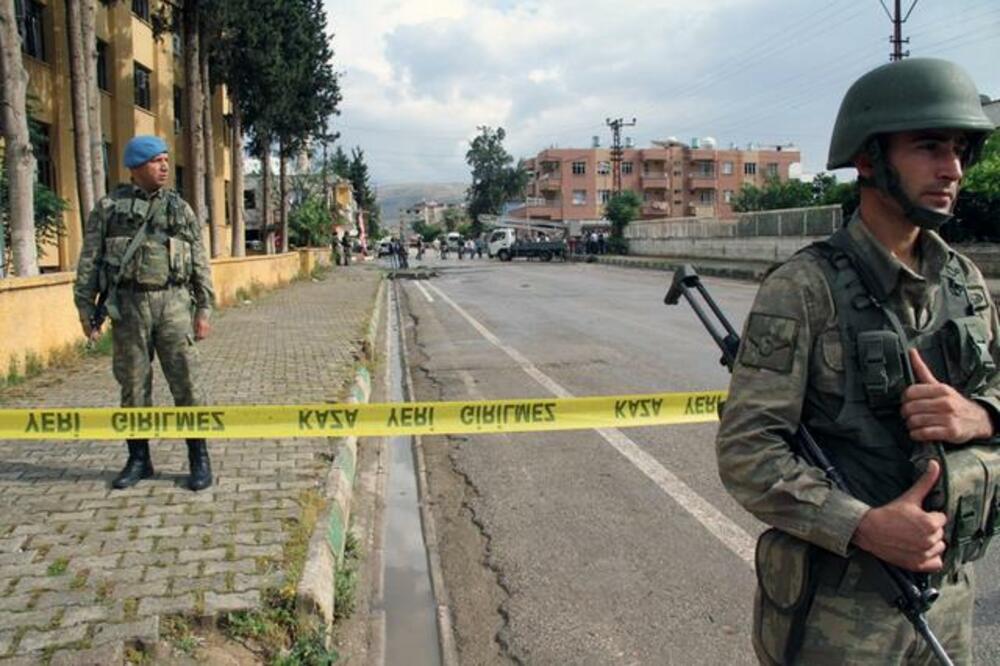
(902, 533)
(936, 412)
(89, 332)
(201, 327)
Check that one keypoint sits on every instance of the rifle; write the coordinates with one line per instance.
(908, 591)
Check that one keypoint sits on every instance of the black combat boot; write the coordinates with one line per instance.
(138, 467)
(201, 467)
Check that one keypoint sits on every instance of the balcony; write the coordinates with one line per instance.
(655, 179)
(656, 208)
(700, 181)
(549, 180)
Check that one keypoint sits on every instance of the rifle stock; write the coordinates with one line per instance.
(911, 596)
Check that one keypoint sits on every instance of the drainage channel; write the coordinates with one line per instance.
(411, 633)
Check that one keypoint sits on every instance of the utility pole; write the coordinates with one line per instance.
(616, 151)
(898, 20)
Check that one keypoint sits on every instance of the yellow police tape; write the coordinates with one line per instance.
(363, 420)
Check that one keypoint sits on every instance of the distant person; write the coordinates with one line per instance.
(602, 243)
(345, 245)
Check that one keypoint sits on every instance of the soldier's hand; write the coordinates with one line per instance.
(902, 533)
(936, 412)
(201, 327)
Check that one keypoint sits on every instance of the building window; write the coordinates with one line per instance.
(102, 65)
(249, 200)
(179, 180)
(106, 158)
(178, 110)
(604, 196)
(32, 31)
(727, 168)
(626, 168)
(579, 197)
(706, 196)
(225, 193)
(772, 169)
(579, 168)
(178, 42)
(603, 168)
(141, 9)
(727, 196)
(41, 144)
(143, 88)
(750, 169)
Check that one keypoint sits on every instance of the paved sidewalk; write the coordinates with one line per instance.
(83, 567)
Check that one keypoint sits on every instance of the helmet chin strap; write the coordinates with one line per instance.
(886, 178)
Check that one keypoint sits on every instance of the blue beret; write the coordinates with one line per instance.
(141, 149)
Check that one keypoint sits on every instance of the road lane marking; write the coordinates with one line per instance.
(427, 295)
(721, 527)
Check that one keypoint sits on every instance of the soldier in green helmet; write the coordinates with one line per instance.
(143, 250)
(883, 341)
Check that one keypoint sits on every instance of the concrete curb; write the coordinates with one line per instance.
(315, 596)
(744, 271)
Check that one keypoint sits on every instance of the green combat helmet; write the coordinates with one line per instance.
(914, 94)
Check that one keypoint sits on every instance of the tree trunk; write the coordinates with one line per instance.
(81, 116)
(214, 233)
(283, 194)
(88, 38)
(265, 195)
(19, 159)
(236, 198)
(193, 109)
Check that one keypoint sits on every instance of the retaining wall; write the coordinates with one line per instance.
(38, 317)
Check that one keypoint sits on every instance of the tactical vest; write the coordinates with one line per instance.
(164, 255)
(865, 436)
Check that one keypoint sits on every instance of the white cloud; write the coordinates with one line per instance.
(419, 77)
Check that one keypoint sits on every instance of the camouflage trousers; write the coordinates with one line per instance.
(155, 323)
(851, 624)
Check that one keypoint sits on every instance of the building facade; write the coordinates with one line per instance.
(141, 83)
(673, 179)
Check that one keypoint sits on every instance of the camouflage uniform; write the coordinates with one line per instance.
(789, 370)
(150, 315)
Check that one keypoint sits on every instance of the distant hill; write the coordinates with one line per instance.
(393, 198)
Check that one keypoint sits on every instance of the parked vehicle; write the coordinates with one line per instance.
(505, 245)
(454, 239)
(385, 247)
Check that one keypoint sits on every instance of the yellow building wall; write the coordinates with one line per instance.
(38, 317)
(130, 40)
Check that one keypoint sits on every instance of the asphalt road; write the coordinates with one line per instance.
(557, 548)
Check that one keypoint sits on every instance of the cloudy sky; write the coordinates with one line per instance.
(419, 76)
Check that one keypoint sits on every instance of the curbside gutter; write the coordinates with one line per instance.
(315, 598)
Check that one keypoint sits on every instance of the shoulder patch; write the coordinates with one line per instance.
(770, 342)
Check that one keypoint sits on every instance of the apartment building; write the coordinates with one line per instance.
(674, 179)
(428, 212)
(141, 82)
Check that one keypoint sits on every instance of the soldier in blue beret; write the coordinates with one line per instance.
(144, 261)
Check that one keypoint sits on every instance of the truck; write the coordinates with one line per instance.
(504, 244)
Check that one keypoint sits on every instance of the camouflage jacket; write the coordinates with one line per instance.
(792, 349)
(179, 221)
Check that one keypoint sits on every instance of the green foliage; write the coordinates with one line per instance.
(984, 177)
(494, 180)
(621, 209)
(427, 231)
(58, 567)
(777, 194)
(310, 223)
(453, 218)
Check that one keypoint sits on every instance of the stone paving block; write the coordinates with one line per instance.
(27, 618)
(15, 602)
(145, 631)
(273, 550)
(130, 511)
(6, 641)
(201, 555)
(30, 584)
(141, 521)
(236, 566)
(158, 558)
(65, 599)
(95, 563)
(85, 614)
(109, 654)
(100, 536)
(22, 570)
(215, 582)
(196, 519)
(139, 590)
(229, 603)
(30, 528)
(40, 640)
(164, 509)
(176, 571)
(118, 576)
(37, 659)
(160, 532)
(183, 603)
(119, 546)
(71, 516)
(257, 581)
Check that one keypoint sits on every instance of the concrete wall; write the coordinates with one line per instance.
(38, 318)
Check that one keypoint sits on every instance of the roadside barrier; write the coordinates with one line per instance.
(362, 420)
